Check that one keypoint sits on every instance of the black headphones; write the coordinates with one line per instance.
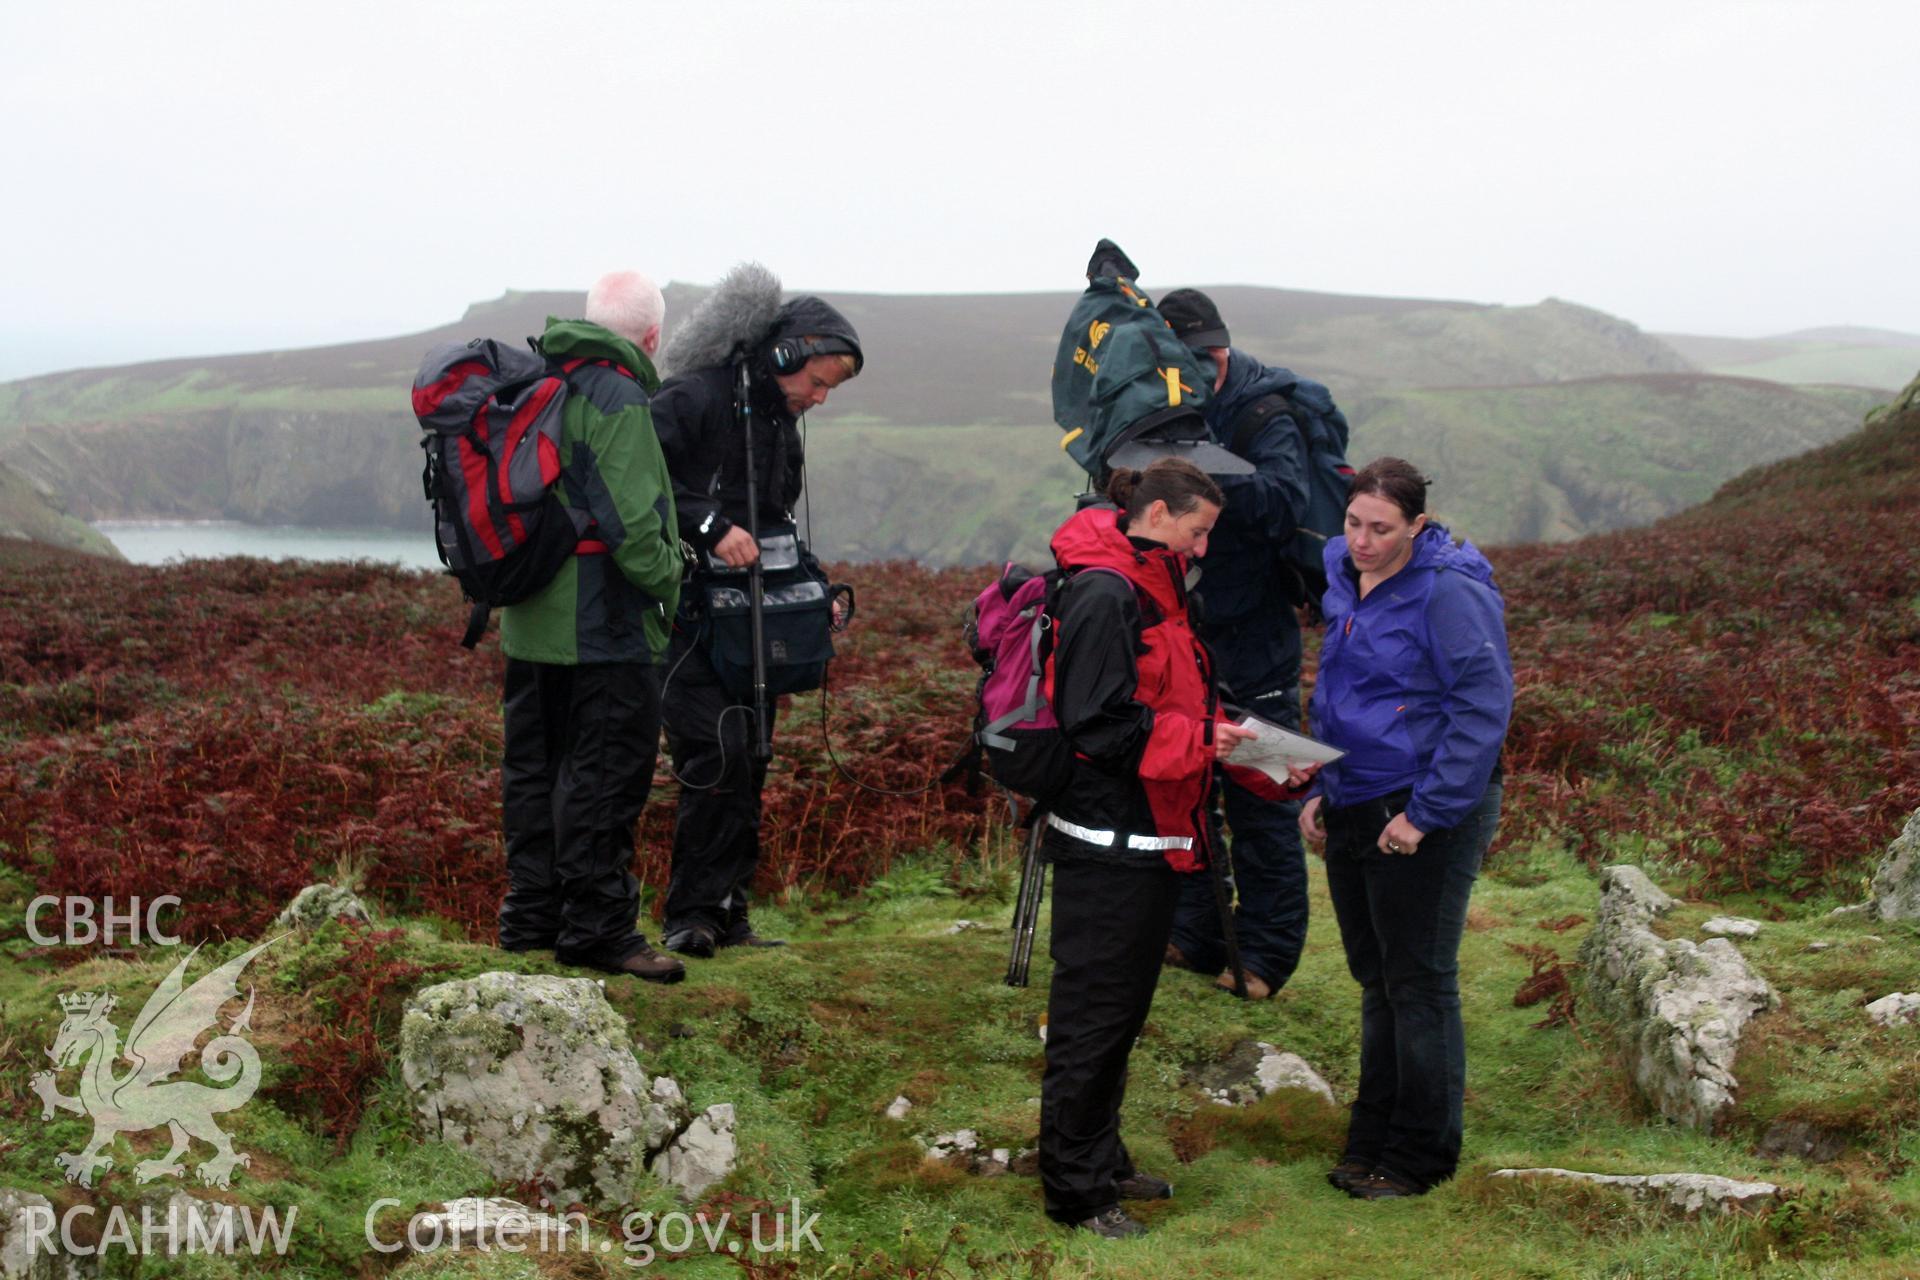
(790, 355)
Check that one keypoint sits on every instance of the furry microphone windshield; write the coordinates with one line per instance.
(738, 315)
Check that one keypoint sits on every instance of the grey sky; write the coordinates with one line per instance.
(200, 177)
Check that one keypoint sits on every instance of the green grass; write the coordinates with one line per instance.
(874, 998)
(1509, 464)
(24, 513)
(129, 394)
(941, 495)
(1553, 462)
(1885, 368)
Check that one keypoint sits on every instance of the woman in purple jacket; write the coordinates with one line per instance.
(1416, 687)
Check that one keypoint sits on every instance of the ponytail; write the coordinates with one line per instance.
(1174, 481)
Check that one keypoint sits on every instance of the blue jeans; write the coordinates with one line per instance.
(1269, 879)
(1401, 918)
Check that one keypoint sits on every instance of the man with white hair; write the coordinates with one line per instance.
(582, 698)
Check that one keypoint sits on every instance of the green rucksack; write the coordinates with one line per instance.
(1120, 373)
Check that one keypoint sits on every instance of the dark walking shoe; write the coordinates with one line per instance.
(742, 935)
(1348, 1172)
(1114, 1224)
(1257, 988)
(1380, 1185)
(1175, 957)
(695, 940)
(650, 966)
(1142, 1186)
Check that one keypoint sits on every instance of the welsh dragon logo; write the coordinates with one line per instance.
(143, 1097)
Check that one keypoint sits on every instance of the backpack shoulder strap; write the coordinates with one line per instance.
(1253, 419)
(1150, 615)
(567, 368)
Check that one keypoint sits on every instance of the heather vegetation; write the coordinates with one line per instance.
(1730, 699)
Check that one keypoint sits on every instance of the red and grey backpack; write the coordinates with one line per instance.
(490, 421)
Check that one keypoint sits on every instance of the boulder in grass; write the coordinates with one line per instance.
(30, 1247)
(1731, 927)
(1253, 1069)
(534, 1075)
(1681, 1008)
(702, 1154)
(316, 904)
(946, 1146)
(1688, 1192)
(1896, 881)
(1899, 1009)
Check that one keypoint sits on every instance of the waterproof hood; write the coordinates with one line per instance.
(1092, 538)
(1436, 549)
(567, 339)
(809, 316)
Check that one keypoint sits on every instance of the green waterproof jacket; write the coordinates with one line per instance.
(614, 600)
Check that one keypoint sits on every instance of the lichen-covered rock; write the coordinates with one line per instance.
(962, 1149)
(1687, 1192)
(1681, 1007)
(533, 1074)
(316, 904)
(30, 1241)
(961, 1142)
(1253, 1069)
(702, 1155)
(1896, 1009)
(1731, 927)
(898, 1108)
(1896, 881)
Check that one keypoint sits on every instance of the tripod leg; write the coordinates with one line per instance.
(1033, 873)
(1219, 873)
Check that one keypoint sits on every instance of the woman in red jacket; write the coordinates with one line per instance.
(1132, 688)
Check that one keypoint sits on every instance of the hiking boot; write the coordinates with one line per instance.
(1257, 988)
(1348, 1172)
(1381, 1185)
(650, 966)
(1114, 1224)
(695, 940)
(1142, 1186)
(1175, 957)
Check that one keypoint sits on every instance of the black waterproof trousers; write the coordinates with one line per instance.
(716, 829)
(1110, 926)
(580, 748)
(1401, 920)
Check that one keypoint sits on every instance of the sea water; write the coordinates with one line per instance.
(158, 541)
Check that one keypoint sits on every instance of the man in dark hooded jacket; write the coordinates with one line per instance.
(795, 356)
(1249, 624)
